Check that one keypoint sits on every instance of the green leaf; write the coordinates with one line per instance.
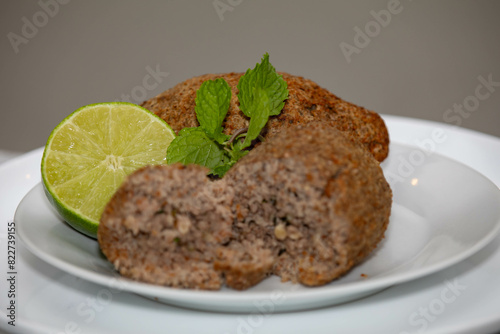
(237, 151)
(236, 154)
(193, 146)
(212, 104)
(221, 170)
(262, 92)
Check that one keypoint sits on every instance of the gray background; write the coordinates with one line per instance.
(427, 59)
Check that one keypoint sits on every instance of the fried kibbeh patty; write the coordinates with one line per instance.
(307, 102)
(307, 205)
(319, 201)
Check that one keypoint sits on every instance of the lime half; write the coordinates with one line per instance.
(88, 155)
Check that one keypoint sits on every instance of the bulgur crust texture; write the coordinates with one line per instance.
(307, 205)
(307, 102)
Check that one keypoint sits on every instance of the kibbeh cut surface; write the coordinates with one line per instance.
(307, 102)
(307, 205)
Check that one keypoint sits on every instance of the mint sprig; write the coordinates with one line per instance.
(261, 94)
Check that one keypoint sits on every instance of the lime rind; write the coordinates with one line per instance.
(77, 221)
(98, 157)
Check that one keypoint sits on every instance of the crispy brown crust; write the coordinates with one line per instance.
(307, 102)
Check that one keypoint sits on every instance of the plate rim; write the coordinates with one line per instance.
(353, 288)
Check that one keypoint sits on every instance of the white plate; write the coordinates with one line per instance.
(443, 212)
(52, 301)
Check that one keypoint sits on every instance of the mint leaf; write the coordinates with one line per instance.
(193, 146)
(212, 104)
(221, 170)
(237, 152)
(261, 94)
